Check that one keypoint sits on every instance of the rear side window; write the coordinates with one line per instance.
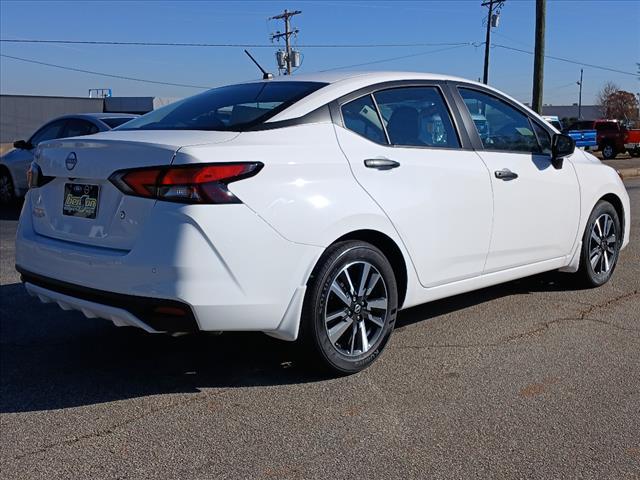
(500, 126)
(78, 128)
(416, 116)
(49, 132)
(606, 126)
(234, 107)
(360, 116)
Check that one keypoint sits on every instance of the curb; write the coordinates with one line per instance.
(629, 172)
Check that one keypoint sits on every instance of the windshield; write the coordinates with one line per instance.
(233, 107)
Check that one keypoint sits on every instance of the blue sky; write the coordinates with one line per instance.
(603, 32)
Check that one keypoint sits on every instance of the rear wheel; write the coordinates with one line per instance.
(600, 245)
(608, 152)
(350, 307)
(7, 192)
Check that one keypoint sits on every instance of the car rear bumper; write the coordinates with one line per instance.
(223, 265)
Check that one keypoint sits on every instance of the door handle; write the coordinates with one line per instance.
(506, 174)
(381, 163)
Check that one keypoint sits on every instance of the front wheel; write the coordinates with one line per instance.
(350, 307)
(601, 244)
(608, 152)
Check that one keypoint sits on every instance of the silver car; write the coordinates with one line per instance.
(14, 165)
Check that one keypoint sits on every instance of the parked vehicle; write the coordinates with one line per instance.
(314, 208)
(14, 164)
(610, 136)
(586, 139)
(554, 121)
(632, 142)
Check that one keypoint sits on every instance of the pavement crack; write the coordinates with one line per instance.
(540, 328)
(104, 432)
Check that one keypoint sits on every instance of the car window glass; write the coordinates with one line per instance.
(234, 107)
(361, 117)
(78, 128)
(416, 116)
(48, 132)
(499, 125)
(114, 122)
(544, 138)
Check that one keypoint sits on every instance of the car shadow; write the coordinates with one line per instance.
(51, 359)
(11, 211)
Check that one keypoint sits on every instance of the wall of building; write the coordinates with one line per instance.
(21, 115)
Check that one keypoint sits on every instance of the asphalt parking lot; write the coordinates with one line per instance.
(532, 379)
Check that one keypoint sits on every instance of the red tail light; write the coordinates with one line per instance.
(203, 183)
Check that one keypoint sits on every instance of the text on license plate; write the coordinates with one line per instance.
(80, 200)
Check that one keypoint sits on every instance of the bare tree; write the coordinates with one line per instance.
(617, 104)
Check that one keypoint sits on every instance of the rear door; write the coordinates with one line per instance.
(404, 149)
(536, 206)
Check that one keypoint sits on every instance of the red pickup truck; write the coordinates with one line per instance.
(632, 142)
(611, 135)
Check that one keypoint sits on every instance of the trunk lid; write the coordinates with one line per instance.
(82, 166)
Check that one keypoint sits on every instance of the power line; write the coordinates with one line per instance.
(122, 77)
(567, 60)
(229, 45)
(383, 60)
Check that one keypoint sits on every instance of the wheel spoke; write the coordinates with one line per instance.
(339, 314)
(599, 227)
(377, 320)
(338, 330)
(366, 268)
(337, 289)
(372, 283)
(611, 238)
(595, 237)
(363, 337)
(606, 261)
(595, 259)
(352, 343)
(352, 290)
(378, 303)
(607, 225)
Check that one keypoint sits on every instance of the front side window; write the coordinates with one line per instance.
(544, 139)
(234, 107)
(499, 125)
(360, 116)
(416, 116)
(48, 132)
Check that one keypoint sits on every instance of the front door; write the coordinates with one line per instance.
(404, 150)
(536, 206)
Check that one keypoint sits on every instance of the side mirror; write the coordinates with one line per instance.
(561, 146)
(22, 145)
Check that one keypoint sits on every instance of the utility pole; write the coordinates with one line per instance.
(289, 58)
(580, 97)
(538, 59)
(492, 21)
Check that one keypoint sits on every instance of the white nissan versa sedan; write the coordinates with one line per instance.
(314, 208)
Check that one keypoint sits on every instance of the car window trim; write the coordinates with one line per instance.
(479, 146)
(464, 139)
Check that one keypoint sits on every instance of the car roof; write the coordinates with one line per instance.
(342, 83)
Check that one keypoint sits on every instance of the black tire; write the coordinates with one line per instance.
(322, 302)
(7, 191)
(635, 152)
(608, 151)
(590, 273)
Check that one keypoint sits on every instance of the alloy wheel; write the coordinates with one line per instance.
(356, 309)
(6, 188)
(602, 244)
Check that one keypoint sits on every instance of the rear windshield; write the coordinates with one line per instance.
(116, 122)
(233, 107)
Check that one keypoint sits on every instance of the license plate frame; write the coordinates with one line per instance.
(80, 200)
